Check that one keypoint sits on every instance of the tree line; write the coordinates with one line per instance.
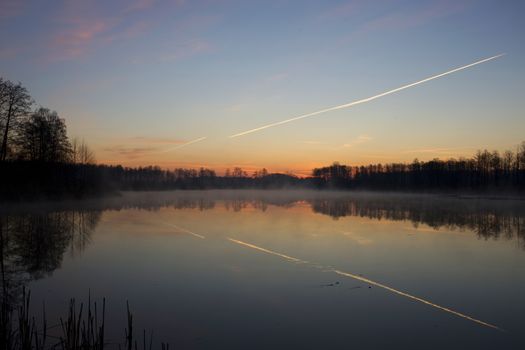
(484, 171)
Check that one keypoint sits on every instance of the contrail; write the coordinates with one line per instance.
(368, 99)
(172, 148)
(186, 144)
(267, 251)
(184, 230)
(410, 296)
(369, 281)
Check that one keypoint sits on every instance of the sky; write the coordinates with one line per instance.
(138, 80)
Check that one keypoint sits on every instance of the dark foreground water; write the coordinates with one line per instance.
(277, 270)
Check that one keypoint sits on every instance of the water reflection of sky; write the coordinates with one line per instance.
(210, 293)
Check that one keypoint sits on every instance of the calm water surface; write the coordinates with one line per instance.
(309, 270)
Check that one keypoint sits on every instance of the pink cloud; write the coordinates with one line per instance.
(83, 36)
(84, 32)
(130, 152)
(77, 40)
(85, 29)
(133, 31)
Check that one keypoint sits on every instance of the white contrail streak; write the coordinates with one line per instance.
(184, 230)
(369, 281)
(410, 296)
(287, 257)
(368, 99)
(186, 144)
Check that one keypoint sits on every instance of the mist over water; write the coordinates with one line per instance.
(174, 256)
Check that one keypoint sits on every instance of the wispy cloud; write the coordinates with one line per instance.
(141, 146)
(76, 40)
(439, 150)
(358, 141)
(79, 30)
(130, 152)
(131, 32)
(85, 27)
(312, 142)
(186, 144)
(155, 140)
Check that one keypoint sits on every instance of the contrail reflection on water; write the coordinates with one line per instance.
(371, 282)
(181, 229)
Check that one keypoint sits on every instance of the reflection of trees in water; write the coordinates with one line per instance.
(32, 246)
(154, 205)
(241, 204)
(488, 220)
(200, 203)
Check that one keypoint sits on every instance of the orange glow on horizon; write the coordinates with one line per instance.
(299, 169)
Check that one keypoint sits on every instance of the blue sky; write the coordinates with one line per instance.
(136, 79)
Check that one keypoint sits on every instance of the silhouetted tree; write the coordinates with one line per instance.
(81, 153)
(15, 104)
(335, 175)
(43, 137)
(257, 174)
(238, 172)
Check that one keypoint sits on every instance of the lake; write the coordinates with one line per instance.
(279, 269)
